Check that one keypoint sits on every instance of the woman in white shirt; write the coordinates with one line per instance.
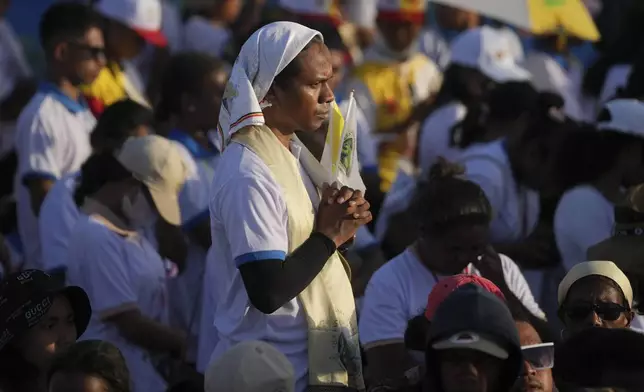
(58, 213)
(190, 100)
(480, 57)
(610, 160)
(123, 274)
(516, 173)
(454, 218)
(506, 110)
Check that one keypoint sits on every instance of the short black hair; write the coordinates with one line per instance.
(118, 121)
(184, 74)
(94, 357)
(63, 21)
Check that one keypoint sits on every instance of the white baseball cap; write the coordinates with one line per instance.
(251, 366)
(159, 165)
(626, 115)
(142, 16)
(603, 268)
(486, 49)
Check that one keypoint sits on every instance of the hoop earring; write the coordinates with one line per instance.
(563, 334)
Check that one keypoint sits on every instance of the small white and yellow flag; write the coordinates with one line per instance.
(340, 155)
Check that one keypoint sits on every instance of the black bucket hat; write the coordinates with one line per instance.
(27, 296)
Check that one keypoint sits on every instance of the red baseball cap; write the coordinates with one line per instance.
(447, 285)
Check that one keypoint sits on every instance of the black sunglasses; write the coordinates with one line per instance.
(94, 52)
(607, 311)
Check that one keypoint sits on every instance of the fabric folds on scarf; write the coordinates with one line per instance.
(262, 57)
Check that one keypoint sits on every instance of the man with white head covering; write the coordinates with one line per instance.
(278, 276)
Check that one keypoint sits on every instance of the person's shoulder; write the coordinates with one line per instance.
(508, 265)
(89, 232)
(491, 152)
(583, 195)
(39, 106)
(239, 169)
(239, 163)
(401, 266)
(447, 114)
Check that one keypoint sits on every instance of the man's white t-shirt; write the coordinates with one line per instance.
(200, 35)
(58, 216)
(52, 140)
(398, 292)
(119, 273)
(186, 289)
(436, 135)
(249, 222)
(584, 218)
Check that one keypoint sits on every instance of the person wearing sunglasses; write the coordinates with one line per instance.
(52, 132)
(538, 360)
(594, 294)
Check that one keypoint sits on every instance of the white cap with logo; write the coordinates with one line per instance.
(142, 16)
(158, 163)
(472, 341)
(251, 366)
(488, 50)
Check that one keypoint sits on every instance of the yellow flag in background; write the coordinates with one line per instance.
(340, 155)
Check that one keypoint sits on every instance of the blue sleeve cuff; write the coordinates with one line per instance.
(196, 220)
(259, 256)
(35, 175)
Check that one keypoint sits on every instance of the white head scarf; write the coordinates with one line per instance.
(264, 55)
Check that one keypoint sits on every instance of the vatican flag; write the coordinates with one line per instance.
(340, 155)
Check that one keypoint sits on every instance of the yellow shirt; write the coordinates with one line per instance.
(393, 91)
(110, 86)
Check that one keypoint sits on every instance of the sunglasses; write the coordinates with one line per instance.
(539, 356)
(607, 311)
(94, 52)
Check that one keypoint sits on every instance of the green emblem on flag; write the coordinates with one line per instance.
(554, 3)
(346, 155)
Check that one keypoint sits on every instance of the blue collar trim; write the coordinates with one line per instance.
(71, 105)
(196, 149)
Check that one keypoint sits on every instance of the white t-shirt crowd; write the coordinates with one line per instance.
(235, 193)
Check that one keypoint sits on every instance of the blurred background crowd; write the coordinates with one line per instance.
(504, 168)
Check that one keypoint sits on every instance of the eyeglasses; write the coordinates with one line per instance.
(607, 311)
(95, 52)
(539, 356)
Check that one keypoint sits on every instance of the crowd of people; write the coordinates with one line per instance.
(168, 223)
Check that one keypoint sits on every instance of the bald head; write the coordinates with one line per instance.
(527, 334)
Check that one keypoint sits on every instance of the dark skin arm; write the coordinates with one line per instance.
(38, 189)
(490, 268)
(271, 283)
